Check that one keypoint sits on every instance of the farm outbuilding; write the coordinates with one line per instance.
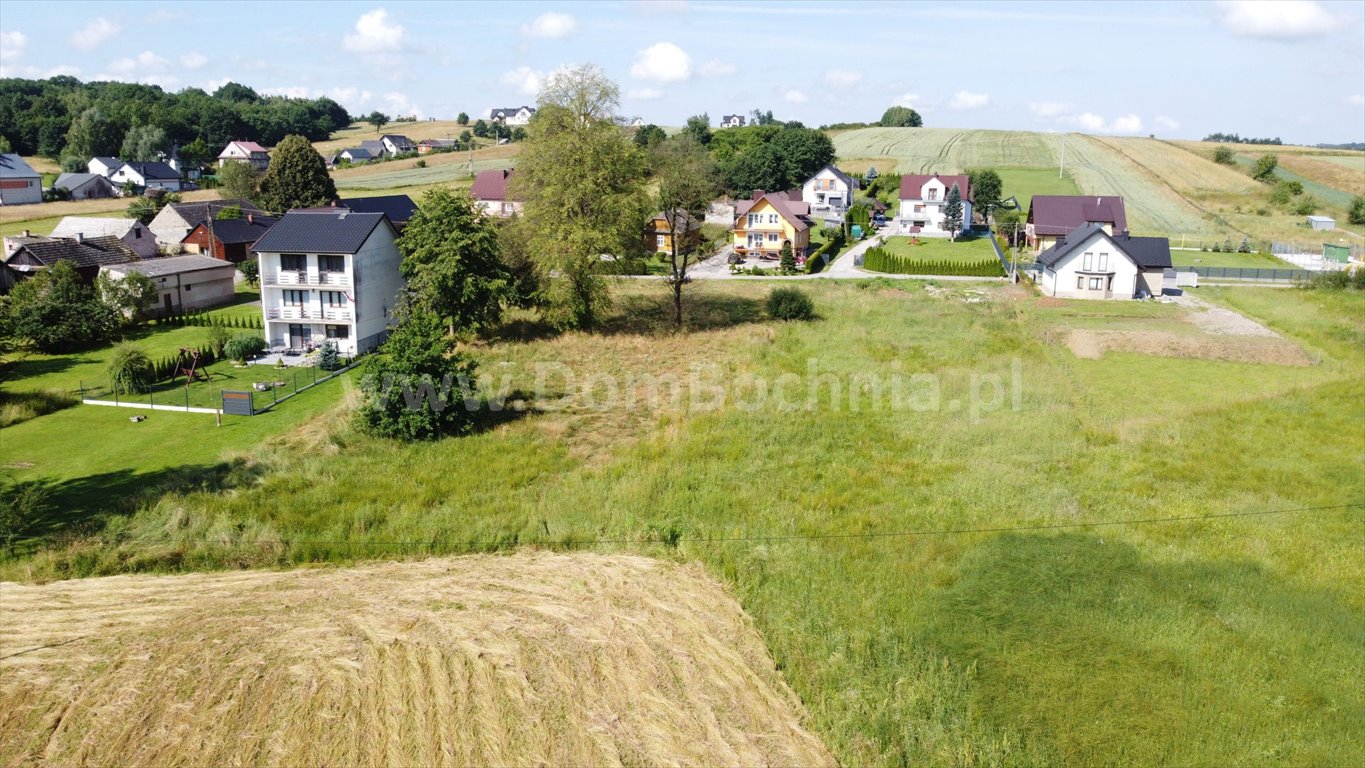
(1322, 222)
(184, 282)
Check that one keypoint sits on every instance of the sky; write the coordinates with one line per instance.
(1289, 68)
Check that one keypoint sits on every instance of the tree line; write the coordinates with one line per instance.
(63, 117)
(1232, 138)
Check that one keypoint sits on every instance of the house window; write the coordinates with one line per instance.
(293, 262)
(137, 234)
(755, 219)
(1096, 283)
(188, 286)
(1088, 261)
(338, 331)
(333, 298)
(1080, 283)
(1104, 262)
(772, 218)
(772, 237)
(295, 298)
(331, 263)
(933, 195)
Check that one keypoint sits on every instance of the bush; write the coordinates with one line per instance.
(1337, 280)
(1356, 215)
(218, 338)
(21, 506)
(1265, 168)
(129, 369)
(328, 358)
(1223, 156)
(420, 164)
(1306, 206)
(243, 348)
(790, 304)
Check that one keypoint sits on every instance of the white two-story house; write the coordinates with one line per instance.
(829, 188)
(329, 276)
(247, 152)
(1091, 263)
(923, 198)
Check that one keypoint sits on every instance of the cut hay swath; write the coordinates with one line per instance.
(519, 660)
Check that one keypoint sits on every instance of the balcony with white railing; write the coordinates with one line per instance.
(288, 277)
(323, 314)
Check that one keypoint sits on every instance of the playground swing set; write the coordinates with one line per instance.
(187, 364)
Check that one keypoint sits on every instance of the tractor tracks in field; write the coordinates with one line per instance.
(1208, 215)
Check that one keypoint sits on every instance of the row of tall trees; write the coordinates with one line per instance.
(63, 116)
(770, 156)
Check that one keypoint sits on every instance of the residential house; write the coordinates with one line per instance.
(148, 175)
(829, 188)
(329, 277)
(85, 186)
(490, 190)
(427, 146)
(375, 147)
(769, 220)
(399, 208)
(245, 151)
(104, 166)
(136, 235)
(32, 254)
(353, 155)
(228, 239)
(512, 115)
(923, 198)
(1091, 263)
(1052, 216)
(659, 233)
(19, 183)
(637, 122)
(176, 220)
(184, 283)
(395, 144)
(732, 121)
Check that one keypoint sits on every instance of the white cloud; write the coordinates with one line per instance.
(193, 60)
(212, 85)
(36, 73)
(12, 45)
(1126, 124)
(292, 92)
(664, 62)
(143, 63)
(969, 100)
(716, 68)
(645, 94)
(399, 104)
(1277, 19)
(908, 100)
(551, 25)
(1049, 109)
(527, 81)
(1356, 101)
(94, 34)
(375, 32)
(1088, 121)
(1166, 123)
(662, 6)
(793, 96)
(843, 77)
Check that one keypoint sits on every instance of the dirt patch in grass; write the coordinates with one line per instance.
(536, 659)
(1092, 345)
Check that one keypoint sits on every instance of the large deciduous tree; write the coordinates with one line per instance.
(804, 151)
(297, 177)
(143, 142)
(699, 128)
(238, 180)
(687, 182)
(581, 177)
(57, 312)
(450, 260)
(901, 117)
(986, 189)
(92, 134)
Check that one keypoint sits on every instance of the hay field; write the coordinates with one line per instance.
(42, 217)
(531, 659)
(443, 168)
(1345, 173)
(943, 150)
(1174, 165)
(422, 129)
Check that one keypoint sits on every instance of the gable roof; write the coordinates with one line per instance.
(13, 166)
(1145, 252)
(174, 265)
(912, 186)
(438, 142)
(509, 111)
(491, 185)
(249, 146)
(49, 251)
(320, 232)
(684, 220)
(112, 163)
(840, 175)
(357, 153)
(153, 170)
(790, 206)
(198, 213)
(74, 181)
(399, 208)
(1060, 214)
(237, 231)
(70, 226)
(374, 147)
(397, 138)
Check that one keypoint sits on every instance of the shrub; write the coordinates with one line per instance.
(328, 357)
(1306, 206)
(21, 505)
(243, 348)
(1337, 280)
(882, 260)
(1265, 168)
(420, 164)
(1223, 156)
(788, 259)
(1356, 215)
(218, 338)
(129, 369)
(790, 304)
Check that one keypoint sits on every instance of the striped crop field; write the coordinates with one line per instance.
(943, 150)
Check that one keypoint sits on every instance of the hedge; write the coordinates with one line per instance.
(881, 260)
(820, 258)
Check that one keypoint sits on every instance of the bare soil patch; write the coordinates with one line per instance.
(532, 659)
(1092, 345)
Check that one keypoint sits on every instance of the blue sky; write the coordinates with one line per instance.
(1294, 68)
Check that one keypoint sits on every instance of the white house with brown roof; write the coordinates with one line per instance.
(491, 192)
(245, 151)
(922, 201)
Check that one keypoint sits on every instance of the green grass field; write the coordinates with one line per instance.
(965, 251)
(1222, 641)
(1246, 260)
(1024, 183)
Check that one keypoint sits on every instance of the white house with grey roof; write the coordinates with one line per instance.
(512, 115)
(183, 283)
(19, 183)
(829, 188)
(329, 275)
(136, 235)
(103, 166)
(149, 175)
(1090, 263)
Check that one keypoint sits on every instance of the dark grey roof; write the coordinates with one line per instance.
(235, 231)
(112, 163)
(67, 249)
(397, 138)
(844, 177)
(175, 265)
(154, 170)
(195, 214)
(399, 208)
(315, 232)
(356, 153)
(75, 180)
(1146, 252)
(13, 167)
(375, 147)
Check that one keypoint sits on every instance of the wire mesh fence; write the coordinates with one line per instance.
(271, 385)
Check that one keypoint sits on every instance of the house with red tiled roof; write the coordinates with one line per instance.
(1051, 217)
(768, 220)
(245, 151)
(922, 199)
(490, 190)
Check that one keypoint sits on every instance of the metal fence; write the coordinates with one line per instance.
(1249, 273)
(1357, 250)
(273, 386)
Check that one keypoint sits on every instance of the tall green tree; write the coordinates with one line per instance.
(450, 260)
(986, 189)
(92, 134)
(758, 168)
(144, 142)
(1356, 214)
(687, 181)
(803, 152)
(238, 181)
(952, 212)
(377, 119)
(901, 117)
(649, 136)
(581, 178)
(463, 118)
(412, 389)
(1265, 168)
(297, 177)
(699, 128)
(57, 312)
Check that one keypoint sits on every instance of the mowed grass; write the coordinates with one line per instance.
(1244, 260)
(964, 250)
(1024, 183)
(1220, 641)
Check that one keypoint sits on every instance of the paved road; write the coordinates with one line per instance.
(718, 268)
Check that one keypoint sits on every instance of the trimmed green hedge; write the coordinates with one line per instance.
(822, 255)
(881, 260)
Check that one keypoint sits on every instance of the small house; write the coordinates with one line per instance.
(427, 146)
(659, 233)
(228, 239)
(134, 234)
(103, 166)
(770, 220)
(829, 188)
(490, 190)
(732, 121)
(924, 199)
(184, 283)
(353, 155)
(85, 186)
(1090, 263)
(149, 175)
(19, 183)
(1052, 216)
(395, 144)
(512, 115)
(245, 151)
(176, 220)
(32, 254)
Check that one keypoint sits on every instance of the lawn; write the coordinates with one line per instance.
(1210, 259)
(1024, 183)
(1222, 641)
(964, 251)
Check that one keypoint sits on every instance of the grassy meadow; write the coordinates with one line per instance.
(1225, 640)
(964, 250)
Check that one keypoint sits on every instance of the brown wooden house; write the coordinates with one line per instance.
(228, 239)
(659, 235)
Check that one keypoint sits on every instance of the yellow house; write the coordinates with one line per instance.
(659, 235)
(767, 221)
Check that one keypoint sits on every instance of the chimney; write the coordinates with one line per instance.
(27, 233)
(1098, 200)
(1125, 233)
(758, 194)
(80, 237)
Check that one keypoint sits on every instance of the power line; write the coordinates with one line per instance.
(571, 543)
